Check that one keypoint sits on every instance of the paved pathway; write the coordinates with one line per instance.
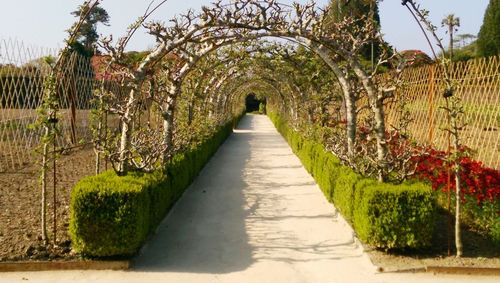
(253, 215)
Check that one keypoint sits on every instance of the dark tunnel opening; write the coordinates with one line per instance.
(252, 103)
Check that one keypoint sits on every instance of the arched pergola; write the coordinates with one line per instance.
(193, 37)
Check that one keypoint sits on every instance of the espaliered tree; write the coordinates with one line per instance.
(307, 28)
(48, 116)
(191, 37)
(452, 107)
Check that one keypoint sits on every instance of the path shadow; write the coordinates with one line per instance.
(205, 231)
(227, 220)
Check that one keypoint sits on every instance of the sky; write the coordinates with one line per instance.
(42, 23)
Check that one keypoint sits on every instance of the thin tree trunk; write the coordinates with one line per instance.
(125, 134)
(54, 191)
(191, 110)
(351, 120)
(377, 107)
(97, 150)
(458, 234)
(168, 130)
(458, 187)
(44, 187)
(211, 107)
(97, 158)
(378, 111)
(124, 145)
(168, 111)
(349, 97)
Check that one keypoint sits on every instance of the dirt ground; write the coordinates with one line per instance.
(20, 208)
(20, 236)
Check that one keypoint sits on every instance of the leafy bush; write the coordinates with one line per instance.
(384, 215)
(113, 215)
(110, 214)
(262, 108)
(395, 216)
(495, 231)
(343, 194)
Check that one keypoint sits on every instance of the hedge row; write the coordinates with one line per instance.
(383, 215)
(113, 215)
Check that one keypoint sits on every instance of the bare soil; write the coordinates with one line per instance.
(20, 209)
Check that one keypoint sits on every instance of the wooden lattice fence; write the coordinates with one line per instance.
(477, 83)
(23, 70)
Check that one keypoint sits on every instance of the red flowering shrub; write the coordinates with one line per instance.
(480, 182)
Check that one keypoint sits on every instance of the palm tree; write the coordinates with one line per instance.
(452, 23)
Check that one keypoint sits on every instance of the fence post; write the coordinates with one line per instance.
(72, 95)
(432, 92)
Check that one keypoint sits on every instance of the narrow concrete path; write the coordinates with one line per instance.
(253, 215)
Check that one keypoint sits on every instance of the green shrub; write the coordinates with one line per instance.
(343, 195)
(110, 214)
(395, 216)
(483, 219)
(262, 108)
(495, 231)
(384, 215)
(113, 215)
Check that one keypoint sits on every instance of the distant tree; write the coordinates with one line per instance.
(87, 36)
(464, 39)
(463, 53)
(488, 41)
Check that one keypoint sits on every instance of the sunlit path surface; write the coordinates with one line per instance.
(253, 215)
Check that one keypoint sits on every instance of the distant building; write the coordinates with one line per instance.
(99, 65)
(416, 58)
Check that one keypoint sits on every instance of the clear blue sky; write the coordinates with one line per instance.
(43, 22)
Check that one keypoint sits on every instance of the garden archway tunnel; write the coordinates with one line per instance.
(176, 104)
(196, 39)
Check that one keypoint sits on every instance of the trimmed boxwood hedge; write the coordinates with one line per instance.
(113, 215)
(383, 215)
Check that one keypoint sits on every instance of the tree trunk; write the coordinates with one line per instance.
(458, 186)
(168, 130)
(458, 236)
(190, 110)
(378, 111)
(43, 211)
(351, 120)
(168, 112)
(349, 97)
(377, 107)
(211, 106)
(125, 134)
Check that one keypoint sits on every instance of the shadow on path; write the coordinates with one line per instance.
(253, 203)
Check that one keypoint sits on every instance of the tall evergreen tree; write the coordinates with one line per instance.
(488, 41)
(340, 9)
(87, 35)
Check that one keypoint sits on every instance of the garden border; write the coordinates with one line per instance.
(436, 269)
(29, 266)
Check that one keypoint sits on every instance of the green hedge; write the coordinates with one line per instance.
(383, 215)
(113, 215)
(395, 216)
